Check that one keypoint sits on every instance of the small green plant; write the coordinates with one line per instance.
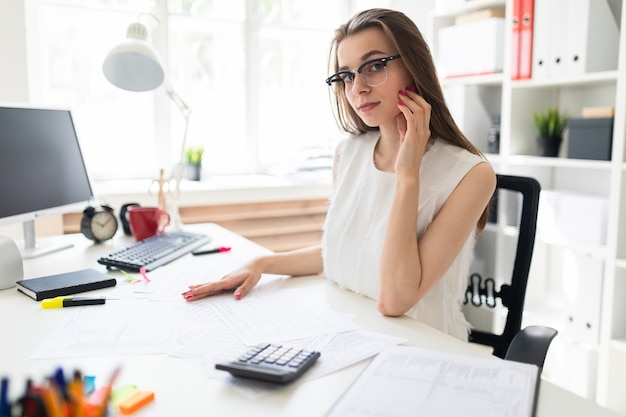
(193, 155)
(550, 122)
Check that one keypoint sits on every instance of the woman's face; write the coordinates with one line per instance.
(377, 105)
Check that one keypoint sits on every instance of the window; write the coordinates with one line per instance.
(251, 71)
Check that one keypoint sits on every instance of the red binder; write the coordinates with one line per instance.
(526, 39)
(515, 39)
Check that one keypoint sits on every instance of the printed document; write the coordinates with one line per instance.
(410, 381)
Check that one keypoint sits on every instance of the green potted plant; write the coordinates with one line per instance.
(550, 125)
(193, 160)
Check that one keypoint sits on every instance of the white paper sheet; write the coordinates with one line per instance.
(409, 381)
(348, 348)
(119, 327)
(278, 316)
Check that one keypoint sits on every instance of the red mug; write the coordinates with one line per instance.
(146, 222)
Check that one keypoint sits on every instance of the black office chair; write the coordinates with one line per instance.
(530, 345)
(481, 291)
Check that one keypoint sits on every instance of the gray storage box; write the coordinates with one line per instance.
(590, 138)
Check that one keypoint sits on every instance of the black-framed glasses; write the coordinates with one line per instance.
(373, 73)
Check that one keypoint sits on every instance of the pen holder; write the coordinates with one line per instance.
(11, 267)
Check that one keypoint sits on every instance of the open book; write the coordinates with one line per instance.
(410, 381)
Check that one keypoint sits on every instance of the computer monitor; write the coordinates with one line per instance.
(42, 171)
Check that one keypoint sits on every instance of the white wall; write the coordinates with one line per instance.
(419, 11)
(13, 70)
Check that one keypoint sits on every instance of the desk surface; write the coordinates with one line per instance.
(180, 389)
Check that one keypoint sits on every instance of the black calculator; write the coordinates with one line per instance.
(271, 362)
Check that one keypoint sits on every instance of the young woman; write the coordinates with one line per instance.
(410, 190)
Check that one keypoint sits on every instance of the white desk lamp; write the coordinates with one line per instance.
(135, 65)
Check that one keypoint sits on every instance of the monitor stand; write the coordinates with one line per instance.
(32, 250)
(11, 265)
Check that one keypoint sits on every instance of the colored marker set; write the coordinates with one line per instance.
(74, 397)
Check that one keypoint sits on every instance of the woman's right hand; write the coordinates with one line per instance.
(414, 126)
(242, 280)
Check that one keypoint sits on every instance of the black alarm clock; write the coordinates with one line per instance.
(98, 223)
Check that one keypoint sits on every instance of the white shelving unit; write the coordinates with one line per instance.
(576, 285)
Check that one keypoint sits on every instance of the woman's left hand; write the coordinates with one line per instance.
(414, 126)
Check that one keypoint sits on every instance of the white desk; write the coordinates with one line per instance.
(179, 388)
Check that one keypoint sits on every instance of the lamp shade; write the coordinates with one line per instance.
(134, 65)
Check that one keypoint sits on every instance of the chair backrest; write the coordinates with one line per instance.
(530, 345)
(482, 291)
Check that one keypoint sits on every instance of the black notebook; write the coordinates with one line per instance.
(65, 284)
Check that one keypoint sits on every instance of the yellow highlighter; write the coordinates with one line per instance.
(60, 302)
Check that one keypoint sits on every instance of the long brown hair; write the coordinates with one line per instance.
(418, 61)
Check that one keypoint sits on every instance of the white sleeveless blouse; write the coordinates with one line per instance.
(357, 217)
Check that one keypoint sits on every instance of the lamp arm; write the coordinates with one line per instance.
(179, 168)
(182, 106)
(185, 110)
